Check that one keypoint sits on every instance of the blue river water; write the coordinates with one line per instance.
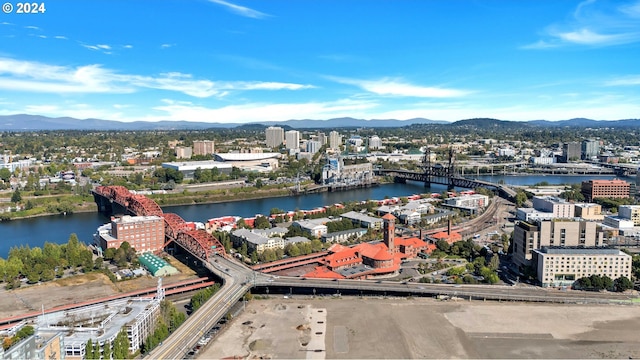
(57, 229)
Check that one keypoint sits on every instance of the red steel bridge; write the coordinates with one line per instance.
(118, 199)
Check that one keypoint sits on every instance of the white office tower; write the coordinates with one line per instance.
(275, 136)
(335, 140)
(292, 139)
(375, 142)
(313, 146)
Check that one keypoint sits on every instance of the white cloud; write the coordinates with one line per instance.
(594, 24)
(393, 87)
(43, 78)
(166, 46)
(173, 110)
(631, 10)
(60, 37)
(32, 27)
(128, 46)
(99, 47)
(241, 10)
(629, 80)
(588, 37)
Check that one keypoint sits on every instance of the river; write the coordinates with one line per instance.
(57, 229)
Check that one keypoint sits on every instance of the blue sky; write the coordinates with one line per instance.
(242, 61)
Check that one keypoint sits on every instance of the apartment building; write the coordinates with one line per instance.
(274, 136)
(184, 152)
(292, 139)
(528, 237)
(563, 266)
(335, 140)
(559, 208)
(203, 147)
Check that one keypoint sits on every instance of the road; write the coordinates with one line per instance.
(238, 279)
(489, 292)
(187, 335)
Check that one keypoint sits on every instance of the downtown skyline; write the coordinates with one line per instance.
(252, 61)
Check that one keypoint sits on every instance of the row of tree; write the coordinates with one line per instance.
(119, 349)
(45, 264)
(603, 282)
(202, 296)
(170, 320)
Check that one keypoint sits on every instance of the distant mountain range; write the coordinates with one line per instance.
(23, 122)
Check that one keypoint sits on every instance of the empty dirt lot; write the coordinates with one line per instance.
(77, 289)
(350, 328)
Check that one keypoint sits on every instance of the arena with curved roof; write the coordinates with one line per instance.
(246, 156)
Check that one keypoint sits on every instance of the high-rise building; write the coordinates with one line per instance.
(616, 189)
(559, 233)
(292, 139)
(590, 148)
(322, 138)
(335, 140)
(203, 147)
(275, 136)
(313, 146)
(571, 151)
(375, 142)
(184, 152)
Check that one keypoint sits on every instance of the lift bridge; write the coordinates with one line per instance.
(118, 199)
(444, 174)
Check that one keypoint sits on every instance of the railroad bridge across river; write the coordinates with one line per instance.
(445, 175)
(118, 199)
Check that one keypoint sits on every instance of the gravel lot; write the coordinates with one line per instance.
(76, 289)
(355, 328)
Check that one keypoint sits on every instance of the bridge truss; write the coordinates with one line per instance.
(198, 242)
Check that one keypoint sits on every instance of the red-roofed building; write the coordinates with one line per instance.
(449, 237)
(322, 272)
(410, 247)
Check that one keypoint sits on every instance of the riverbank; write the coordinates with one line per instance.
(184, 198)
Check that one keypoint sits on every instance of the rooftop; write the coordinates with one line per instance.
(579, 250)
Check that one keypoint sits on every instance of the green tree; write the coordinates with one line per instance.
(521, 198)
(292, 250)
(16, 197)
(121, 345)
(89, 355)
(5, 174)
(494, 263)
(261, 222)
(622, 284)
(107, 351)
(109, 254)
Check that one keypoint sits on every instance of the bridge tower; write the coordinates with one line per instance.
(451, 169)
(426, 167)
(439, 171)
